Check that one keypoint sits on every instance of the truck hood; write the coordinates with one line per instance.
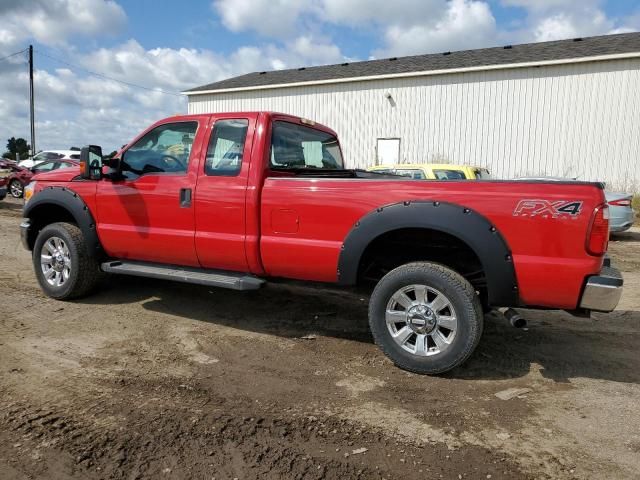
(62, 175)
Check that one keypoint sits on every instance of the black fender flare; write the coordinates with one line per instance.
(464, 223)
(72, 202)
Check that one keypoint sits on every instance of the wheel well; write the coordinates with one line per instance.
(397, 247)
(44, 215)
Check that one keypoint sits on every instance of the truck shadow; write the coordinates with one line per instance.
(556, 344)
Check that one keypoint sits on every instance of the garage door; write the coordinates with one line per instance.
(388, 151)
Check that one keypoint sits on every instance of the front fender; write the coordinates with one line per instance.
(473, 229)
(47, 206)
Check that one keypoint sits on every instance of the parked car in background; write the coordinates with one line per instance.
(434, 171)
(7, 167)
(3, 188)
(621, 213)
(21, 177)
(50, 155)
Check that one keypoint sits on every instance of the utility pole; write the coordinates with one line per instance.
(31, 102)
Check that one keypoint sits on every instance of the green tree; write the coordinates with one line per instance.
(17, 146)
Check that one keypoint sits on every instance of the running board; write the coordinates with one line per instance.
(200, 276)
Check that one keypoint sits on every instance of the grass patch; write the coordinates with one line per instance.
(636, 204)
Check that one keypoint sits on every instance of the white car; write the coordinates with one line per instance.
(50, 155)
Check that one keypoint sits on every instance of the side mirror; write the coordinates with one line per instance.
(91, 162)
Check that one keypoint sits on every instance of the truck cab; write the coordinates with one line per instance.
(233, 200)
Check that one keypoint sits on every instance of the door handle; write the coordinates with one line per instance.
(185, 197)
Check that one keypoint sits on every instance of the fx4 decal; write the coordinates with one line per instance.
(548, 209)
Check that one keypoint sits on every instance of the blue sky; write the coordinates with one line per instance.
(169, 46)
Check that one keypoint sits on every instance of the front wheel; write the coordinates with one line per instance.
(16, 189)
(62, 265)
(425, 317)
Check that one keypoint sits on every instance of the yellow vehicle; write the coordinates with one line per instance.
(434, 171)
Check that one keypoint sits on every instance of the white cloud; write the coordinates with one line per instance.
(75, 108)
(383, 12)
(560, 19)
(52, 22)
(465, 24)
(269, 17)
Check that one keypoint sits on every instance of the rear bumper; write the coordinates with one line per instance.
(602, 292)
(622, 220)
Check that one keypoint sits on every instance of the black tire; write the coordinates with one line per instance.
(461, 297)
(16, 189)
(85, 271)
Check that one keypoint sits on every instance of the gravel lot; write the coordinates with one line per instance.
(151, 379)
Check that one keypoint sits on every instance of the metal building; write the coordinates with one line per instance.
(564, 108)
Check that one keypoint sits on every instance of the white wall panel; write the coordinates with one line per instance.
(564, 120)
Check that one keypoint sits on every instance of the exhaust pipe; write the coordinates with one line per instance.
(515, 319)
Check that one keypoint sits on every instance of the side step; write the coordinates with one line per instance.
(200, 276)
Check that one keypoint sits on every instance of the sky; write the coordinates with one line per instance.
(105, 69)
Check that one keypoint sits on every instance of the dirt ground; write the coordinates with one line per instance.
(152, 379)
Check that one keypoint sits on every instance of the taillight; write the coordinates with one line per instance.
(598, 236)
(623, 202)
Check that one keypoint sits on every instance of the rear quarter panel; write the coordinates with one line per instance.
(549, 253)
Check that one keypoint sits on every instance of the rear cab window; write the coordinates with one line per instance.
(298, 147)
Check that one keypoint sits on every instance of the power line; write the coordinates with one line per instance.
(100, 75)
(13, 54)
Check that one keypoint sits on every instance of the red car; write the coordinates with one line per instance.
(21, 177)
(233, 200)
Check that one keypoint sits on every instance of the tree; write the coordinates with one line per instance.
(17, 146)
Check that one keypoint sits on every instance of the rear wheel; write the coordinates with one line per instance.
(16, 189)
(63, 268)
(425, 317)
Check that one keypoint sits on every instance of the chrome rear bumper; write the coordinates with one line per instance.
(602, 292)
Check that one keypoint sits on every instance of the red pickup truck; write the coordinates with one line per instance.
(232, 200)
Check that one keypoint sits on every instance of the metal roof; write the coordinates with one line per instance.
(625, 43)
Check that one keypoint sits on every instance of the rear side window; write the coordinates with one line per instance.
(298, 147)
(411, 173)
(449, 175)
(226, 147)
(45, 166)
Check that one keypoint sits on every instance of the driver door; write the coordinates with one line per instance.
(148, 215)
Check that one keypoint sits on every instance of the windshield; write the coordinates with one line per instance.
(296, 147)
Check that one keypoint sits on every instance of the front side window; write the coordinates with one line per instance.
(226, 147)
(298, 147)
(165, 149)
(449, 174)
